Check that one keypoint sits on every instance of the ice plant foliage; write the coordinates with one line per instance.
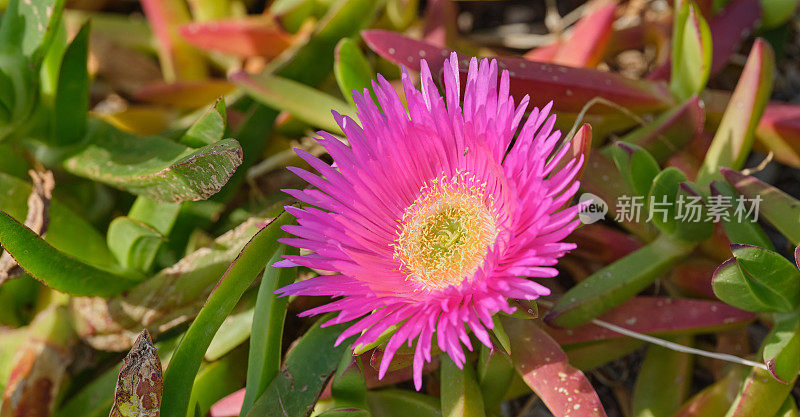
(433, 217)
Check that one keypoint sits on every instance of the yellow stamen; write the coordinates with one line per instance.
(446, 232)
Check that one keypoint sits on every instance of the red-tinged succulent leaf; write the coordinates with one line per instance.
(734, 138)
(244, 37)
(440, 22)
(706, 6)
(728, 29)
(658, 315)
(670, 131)
(779, 131)
(185, 94)
(179, 61)
(580, 146)
(592, 241)
(777, 207)
(587, 44)
(543, 53)
(571, 87)
(693, 277)
(545, 368)
(760, 395)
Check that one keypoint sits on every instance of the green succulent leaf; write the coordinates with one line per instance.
(662, 198)
(133, 243)
(618, 282)
(401, 403)
(670, 131)
(311, 63)
(782, 347)
(136, 239)
(306, 103)
(691, 52)
(217, 379)
(757, 279)
(29, 26)
(348, 388)
(308, 366)
(495, 373)
(697, 228)
(736, 132)
(739, 229)
(67, 233)
(351, 69)
(18, 88)
(188, 356)
(209, 128)
(779, 208)
(71, 109)
(637, 166)
(461, 394)
(715, 399)
(153, 167)
(345, 412)
(56, 269)
(235, 331)
(776, 12)
(587, 356)
(651, 397)
(501, 335)
(788, 409)
(759, 395)
(266, 334)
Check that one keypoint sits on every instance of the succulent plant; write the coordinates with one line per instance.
(470, 255)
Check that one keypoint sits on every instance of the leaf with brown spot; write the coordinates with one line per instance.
(138, 391)
(39, 366)
(154, 167)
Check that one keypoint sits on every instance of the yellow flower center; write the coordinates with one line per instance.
(446, 232)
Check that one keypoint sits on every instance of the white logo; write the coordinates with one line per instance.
(592, 208)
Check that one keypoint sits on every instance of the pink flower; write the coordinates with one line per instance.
(431, 217)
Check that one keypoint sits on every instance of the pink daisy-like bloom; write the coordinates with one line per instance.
(431, 219)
